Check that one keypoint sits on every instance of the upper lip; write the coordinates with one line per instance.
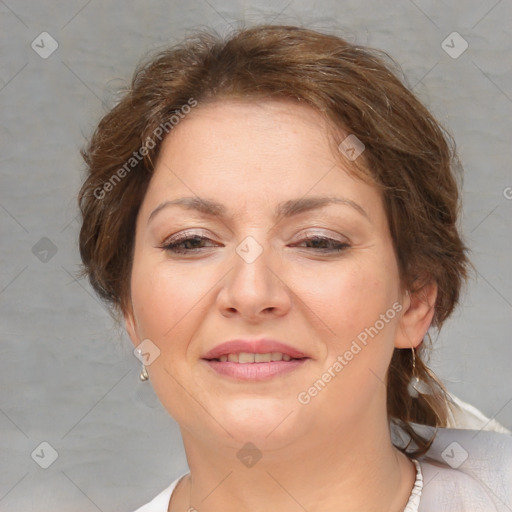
(261, 346)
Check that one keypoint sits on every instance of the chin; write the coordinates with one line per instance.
(264, 420)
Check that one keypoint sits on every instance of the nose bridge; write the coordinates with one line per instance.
(252, 263)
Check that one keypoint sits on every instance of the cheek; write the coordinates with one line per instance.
(164, 302)
(348, 297)
(358, 303)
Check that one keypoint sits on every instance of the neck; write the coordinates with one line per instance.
(339, 472)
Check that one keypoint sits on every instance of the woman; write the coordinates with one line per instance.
(274, 218)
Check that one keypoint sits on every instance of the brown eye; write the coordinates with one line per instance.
(187, 244)
(325, 244)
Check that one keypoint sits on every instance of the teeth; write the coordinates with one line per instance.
(248, 357)
(262, 358)
(245, 357)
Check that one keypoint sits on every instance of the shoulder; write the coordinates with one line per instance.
(160, 503)
(468, 470)
(448, 489)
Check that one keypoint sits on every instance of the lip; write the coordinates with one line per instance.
(255, 371)
(261, 346)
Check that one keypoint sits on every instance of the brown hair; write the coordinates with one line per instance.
(408, 156)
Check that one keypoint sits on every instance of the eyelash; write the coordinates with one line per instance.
(336, 246)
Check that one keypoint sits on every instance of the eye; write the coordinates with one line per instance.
(326, 244)
(186, 244)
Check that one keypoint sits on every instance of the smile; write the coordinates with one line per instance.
(249, 357)
(254, 366)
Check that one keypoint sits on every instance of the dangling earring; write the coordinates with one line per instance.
(416, 386)
(144, 376)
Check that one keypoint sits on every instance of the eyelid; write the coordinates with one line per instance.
(306, 232)
(324, 233)
(185, 234)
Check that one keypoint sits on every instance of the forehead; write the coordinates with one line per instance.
(250, 129)
(249, 152)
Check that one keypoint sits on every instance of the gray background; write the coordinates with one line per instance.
(67, 374)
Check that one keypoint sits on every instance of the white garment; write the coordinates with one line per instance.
(464, 415)
(414, 498)
(467, 469)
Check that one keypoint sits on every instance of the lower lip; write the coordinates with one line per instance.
(255, 371)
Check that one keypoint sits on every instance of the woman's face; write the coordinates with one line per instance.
(249, 273)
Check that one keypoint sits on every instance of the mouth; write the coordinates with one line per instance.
(249, 357)
(248, 350)
(254, 361)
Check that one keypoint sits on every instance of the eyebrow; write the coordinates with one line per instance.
(284, 210)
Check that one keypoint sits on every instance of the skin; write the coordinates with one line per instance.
(335, 453)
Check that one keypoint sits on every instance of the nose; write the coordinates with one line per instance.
(253, 289)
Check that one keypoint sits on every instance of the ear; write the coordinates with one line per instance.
(419, 309)
(130, 325)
